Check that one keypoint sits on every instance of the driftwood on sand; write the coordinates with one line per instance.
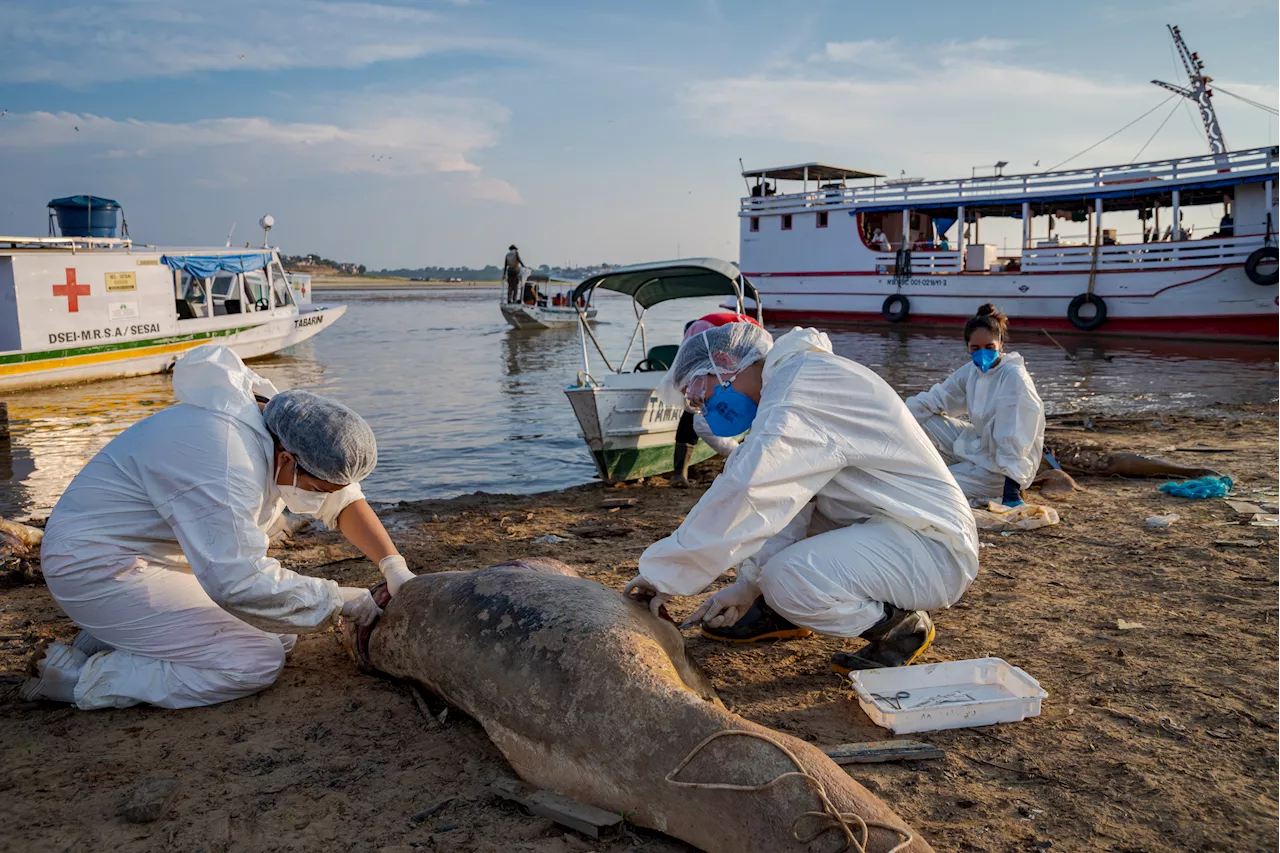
(588, 694)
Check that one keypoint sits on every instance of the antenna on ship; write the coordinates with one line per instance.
(266, 223)
(1199, 90)
(229, 233)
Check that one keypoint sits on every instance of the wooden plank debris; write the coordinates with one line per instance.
(876, 751)
(586, 819)
(615, 503)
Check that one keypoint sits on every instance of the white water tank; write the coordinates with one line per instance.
(978, 257)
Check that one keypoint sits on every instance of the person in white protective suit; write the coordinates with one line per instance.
(996, 451)
(693, 426)
(837, 510)
(158, 548)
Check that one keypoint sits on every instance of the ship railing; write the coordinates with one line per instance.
(71, 243)
(1138, 257)
(923, 261)
(1010, 188)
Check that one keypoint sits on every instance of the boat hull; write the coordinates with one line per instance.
(1214, 304)
(535, 317)
(42, 368)
(629, 432)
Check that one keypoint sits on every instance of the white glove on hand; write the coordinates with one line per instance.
(727, 606)
(396, 571)
(358, 606)
(642, 588)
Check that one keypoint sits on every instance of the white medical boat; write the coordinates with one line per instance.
(630, 432)
(545, 302)
(83, 307)
(1135, 271)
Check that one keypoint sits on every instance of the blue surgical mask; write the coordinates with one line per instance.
(985, 359)
(729, 412)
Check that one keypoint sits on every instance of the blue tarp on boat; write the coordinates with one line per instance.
(205, 266)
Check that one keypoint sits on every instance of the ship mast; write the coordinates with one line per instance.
(1199, 91)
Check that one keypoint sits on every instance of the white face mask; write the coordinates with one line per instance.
(300, 501)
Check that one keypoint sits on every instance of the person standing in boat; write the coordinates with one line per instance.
(511, 265)
(986, 419)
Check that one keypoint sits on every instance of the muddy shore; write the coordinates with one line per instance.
(1156, 738)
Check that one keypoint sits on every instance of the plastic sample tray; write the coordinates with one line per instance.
(953, 695)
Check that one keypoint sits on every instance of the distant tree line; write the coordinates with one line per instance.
(315, 262)
(490, 272)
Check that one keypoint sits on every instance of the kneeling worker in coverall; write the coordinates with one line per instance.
(837, 510)
(158, 548)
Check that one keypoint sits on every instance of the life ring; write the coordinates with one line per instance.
(1267, 254)
(1100, 312)
(896, 308)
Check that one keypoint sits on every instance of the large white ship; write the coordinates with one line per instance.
(833, 243)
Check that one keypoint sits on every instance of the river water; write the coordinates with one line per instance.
(460, 402)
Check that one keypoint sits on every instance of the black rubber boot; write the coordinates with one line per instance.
(897, 640)
(761, 622)
(680, 476)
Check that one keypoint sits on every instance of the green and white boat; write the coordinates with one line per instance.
(88, 305)
(630, 432)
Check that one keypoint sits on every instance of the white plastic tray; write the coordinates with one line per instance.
(953, 695)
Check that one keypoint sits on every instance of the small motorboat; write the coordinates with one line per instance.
(630, 432)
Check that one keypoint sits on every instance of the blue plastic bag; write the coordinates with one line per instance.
(1199, 489)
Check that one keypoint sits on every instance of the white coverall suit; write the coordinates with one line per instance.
(158, 548)
(836, 495)
(1004, 436)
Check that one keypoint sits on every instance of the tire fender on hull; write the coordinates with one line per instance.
(896, 308)
(1267, 255)
(1091, 323)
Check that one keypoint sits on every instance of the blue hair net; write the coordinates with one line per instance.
(329, 440)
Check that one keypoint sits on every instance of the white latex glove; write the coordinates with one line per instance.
(643, 587)
(727, 606)
(396, 571)
(358, 606)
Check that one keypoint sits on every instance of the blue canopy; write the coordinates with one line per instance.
(205, 266)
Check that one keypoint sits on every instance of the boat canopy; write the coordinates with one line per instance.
(206, 266)
(650, 284)
(812, 172)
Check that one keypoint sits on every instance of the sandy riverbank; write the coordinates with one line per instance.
(1160, 738)
(368, 282)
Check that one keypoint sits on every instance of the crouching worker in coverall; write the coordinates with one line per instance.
(158, 548)
(986, 419)
(837, 510)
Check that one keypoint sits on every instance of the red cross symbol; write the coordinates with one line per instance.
(72, 291)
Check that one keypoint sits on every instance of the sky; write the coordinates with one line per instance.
(404, 134)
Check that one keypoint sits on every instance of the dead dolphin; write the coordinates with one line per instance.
(588, 694)
(1085, 459)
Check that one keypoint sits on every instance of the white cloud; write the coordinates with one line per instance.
(80, 44)
(405, 137)
(936, 110)
(866, 52)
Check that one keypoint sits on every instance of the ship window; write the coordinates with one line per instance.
(226, 294)
(755, 223)
(822, 219)
(192, 303)
(256, 290)
(786, 222)
(280, 284)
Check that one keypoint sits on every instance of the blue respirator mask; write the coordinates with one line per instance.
(985, 359)
(728, 411)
